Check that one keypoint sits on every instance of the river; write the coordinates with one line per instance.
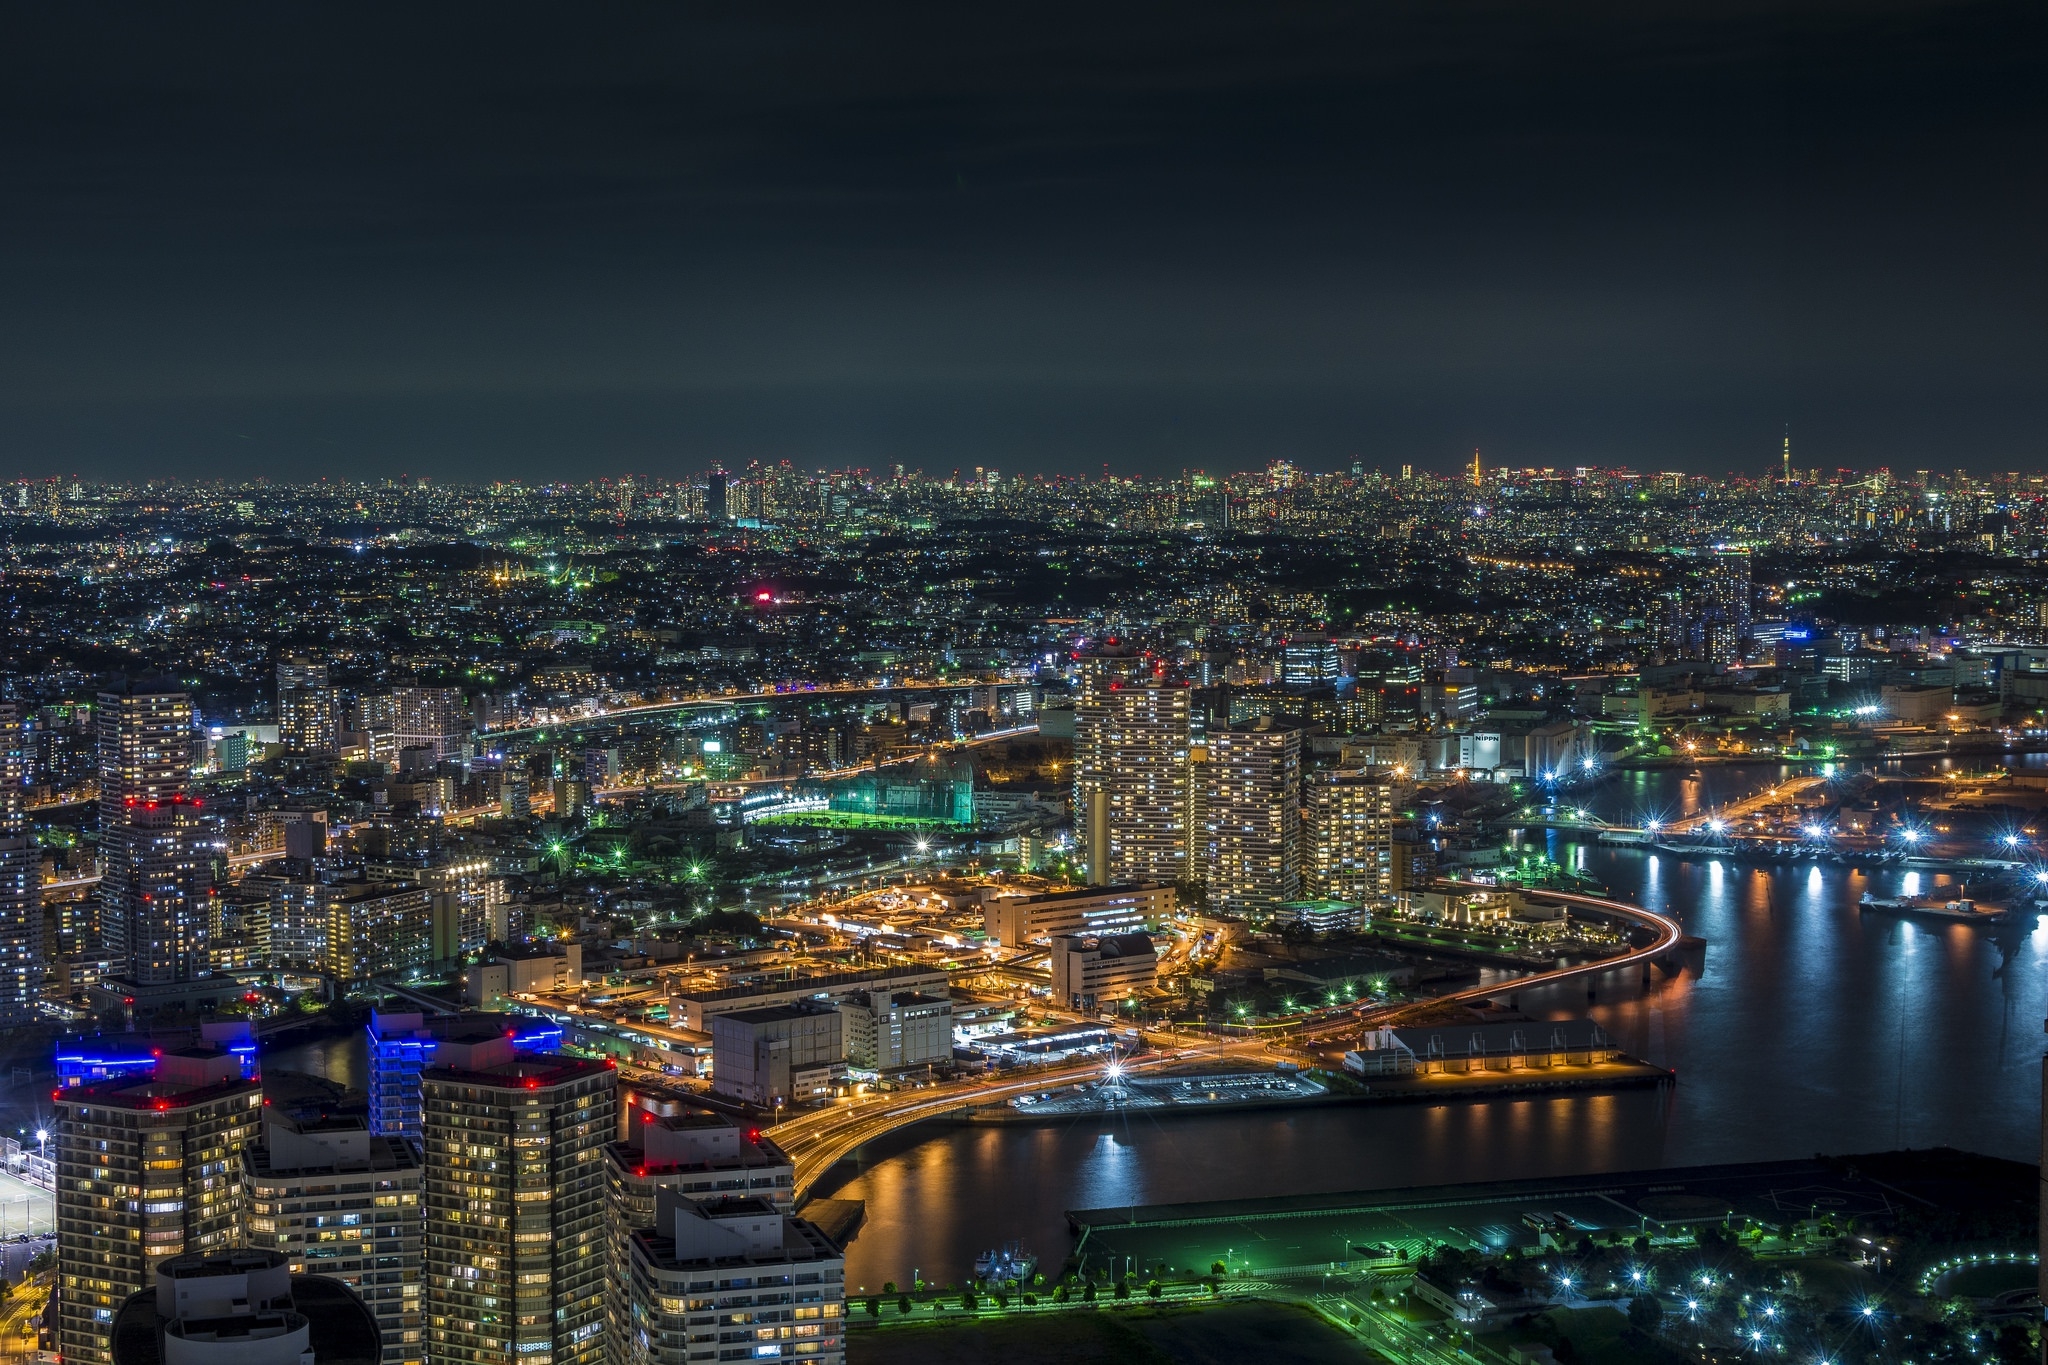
(1807, 1027)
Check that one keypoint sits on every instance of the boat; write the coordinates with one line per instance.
(1007, 1264)
(1960, 908)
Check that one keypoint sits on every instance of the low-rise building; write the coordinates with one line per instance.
(891, 1030)
(695, 1009)
(1088, 972)
(1322, 916)
(1019, 919)
(1510, 1046)
(787, 1054)
(524, 971)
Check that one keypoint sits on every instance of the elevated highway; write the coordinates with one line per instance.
(787, 692)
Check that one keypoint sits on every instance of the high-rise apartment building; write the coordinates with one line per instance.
(170, 899)
(307, 719)
(21, 876)
(1252, 813)
(351, 930)
(403, 1045)
(435, 718)
(733, 1279)
(515, 1204)
(666, 1142)
(335, 1199)
(1348, 833)
(1134, 733)
(145, 752)
(149, 1165)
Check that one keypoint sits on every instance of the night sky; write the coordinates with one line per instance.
(571, 240)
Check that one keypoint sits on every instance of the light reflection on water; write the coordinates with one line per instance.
(1810, 1026)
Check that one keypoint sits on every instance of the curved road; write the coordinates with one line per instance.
(816, 1141)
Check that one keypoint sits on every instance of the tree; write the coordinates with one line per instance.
(903, 1303)
(1218, 1268)
(1123, 1289)
(874, 1306)
(889, 1286)
(1153, 1290)
(1641, 1248)
(1088, 1294)
(1059, 1295)
(967, 1300)
(1645, 1311)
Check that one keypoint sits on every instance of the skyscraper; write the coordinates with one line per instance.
(515, 1204)
(21, 878)
(1100, 669)
(733, 1279)
(145, 756)
(360, 1195)
(1348, 831)
(1140, 738)
(714, 496)
(1252, 811)
(148, 1166)
(306, 717)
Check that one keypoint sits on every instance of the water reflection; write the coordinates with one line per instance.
(1809, 1025)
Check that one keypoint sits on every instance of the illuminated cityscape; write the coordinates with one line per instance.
(1320, 684)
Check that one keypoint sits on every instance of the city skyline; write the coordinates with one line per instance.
(1061, 683)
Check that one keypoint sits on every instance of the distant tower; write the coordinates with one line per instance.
(1477, 469)
(1788, 457)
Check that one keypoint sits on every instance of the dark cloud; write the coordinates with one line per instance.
(518, 240)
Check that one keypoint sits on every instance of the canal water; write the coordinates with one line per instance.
(1808, 1026)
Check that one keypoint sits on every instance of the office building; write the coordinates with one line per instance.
(893, 1030)
(1022, 919)
(1100, 973)
(1308, 662)
(307, 719)
(149, 1165)
(333, 1199)
(782, 1055)
(21, 875)
(402, 1045)
(714, 496)
(1252, 809)
(1348, 833)
(144, 753)
(242, 1307)
(515, 1261)
(734, 1279)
